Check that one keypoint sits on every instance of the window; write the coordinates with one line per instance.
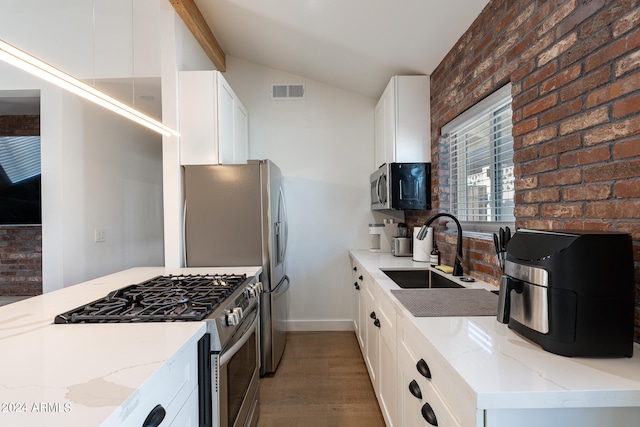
(481, 163)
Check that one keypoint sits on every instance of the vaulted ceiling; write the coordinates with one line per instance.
(353, 44)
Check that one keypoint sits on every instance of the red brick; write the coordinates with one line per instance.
(613, 209)
(627, 64)
(565, 177)
(525, 127)
(611, 171)
(628, 148)
(560, 145)
(584, 121)
(539, 136)
(585, 84)
(587, 225)
(566, 76)
(540, 104)
(627, 106)
(562, 210)
(543, 195)
(587, 192)
(579, 16)
(526, 183)
(526, 211)
(612, 51)
(525, 155)
(613, 91)
(541, 224)
(585, 157)
(556, 17)
(542, 165)
(628, 189)
(565, 109)
(628, 22)
(557, 49)
(540, 75)
(612, 131)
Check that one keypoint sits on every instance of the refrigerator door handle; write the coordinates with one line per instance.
(184, 234)
(281, 288)
(286, 226)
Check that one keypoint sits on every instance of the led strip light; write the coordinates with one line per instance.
(14, 56)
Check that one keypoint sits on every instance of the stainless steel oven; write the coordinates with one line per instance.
(229, 363)
(238, 376)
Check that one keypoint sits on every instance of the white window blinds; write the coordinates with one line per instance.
(481, 161)
(20, 157)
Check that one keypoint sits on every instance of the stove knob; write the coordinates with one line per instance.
(232, 318)
(238, 312)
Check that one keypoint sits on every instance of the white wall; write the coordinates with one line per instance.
(98, 171)
(324, 146)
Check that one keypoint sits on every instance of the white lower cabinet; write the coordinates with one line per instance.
(172, 391)
(376, 332)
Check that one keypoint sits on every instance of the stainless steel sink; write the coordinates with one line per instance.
(415, 278)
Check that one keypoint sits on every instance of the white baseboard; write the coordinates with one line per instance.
(320, 325)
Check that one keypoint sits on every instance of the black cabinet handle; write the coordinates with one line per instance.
(376, 323)
(414, 388)
(355, 268)
(361, 278)
(429, 415)
(155, 417)
(423, 368)
(356, 286)
(373, 315)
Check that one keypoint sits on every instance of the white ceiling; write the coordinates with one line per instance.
(353, 44)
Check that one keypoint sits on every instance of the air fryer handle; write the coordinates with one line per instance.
(507, 284)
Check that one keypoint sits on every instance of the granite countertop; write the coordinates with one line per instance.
(505, 370)
(83, 374)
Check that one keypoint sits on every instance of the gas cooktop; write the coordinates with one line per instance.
(160, 299)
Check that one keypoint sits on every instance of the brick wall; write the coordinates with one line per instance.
(20, 246)
(574, 67)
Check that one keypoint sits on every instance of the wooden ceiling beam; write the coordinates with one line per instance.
(195, 22)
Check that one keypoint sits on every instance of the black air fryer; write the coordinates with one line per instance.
(572, 292)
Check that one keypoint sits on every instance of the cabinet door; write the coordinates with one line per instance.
(388, 379)
(371, 337)
(241, 142)
(384, 120)
(226, 124)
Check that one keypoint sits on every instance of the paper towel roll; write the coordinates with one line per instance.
(422, 248)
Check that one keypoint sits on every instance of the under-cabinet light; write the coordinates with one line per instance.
(32, 65)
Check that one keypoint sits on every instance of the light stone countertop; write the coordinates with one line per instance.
(84, 374)
(505, 370)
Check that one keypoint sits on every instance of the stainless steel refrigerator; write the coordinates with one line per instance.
(235, 215)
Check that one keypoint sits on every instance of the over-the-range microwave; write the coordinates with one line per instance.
(402, 186)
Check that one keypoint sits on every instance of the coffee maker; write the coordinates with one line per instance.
(571, 292)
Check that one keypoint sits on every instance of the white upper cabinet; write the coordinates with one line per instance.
(214, 125)
(403, 121)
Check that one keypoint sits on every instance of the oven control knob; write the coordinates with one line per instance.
(238, 312)
(232, 317)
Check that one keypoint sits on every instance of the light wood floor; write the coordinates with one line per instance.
(321, 382)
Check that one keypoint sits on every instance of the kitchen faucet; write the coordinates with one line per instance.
(457, 266)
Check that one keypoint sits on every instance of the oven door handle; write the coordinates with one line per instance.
(229, 353)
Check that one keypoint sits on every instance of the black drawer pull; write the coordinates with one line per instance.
(429, 415)
(355, 268)
(155, 417)
(373, 315)
(423, 368)
(414, 388)
(357, 286)
(360, 278)
(376, 323)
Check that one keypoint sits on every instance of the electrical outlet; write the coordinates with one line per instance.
(100, 235)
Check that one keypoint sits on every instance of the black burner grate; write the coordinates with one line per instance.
(160, 299)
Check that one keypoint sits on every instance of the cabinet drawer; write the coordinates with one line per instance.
(415, 409)
(171, 386)
(387, 315)
(444, 381)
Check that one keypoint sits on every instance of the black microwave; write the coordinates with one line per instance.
(402, 186)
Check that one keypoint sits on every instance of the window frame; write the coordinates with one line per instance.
(487, 105)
